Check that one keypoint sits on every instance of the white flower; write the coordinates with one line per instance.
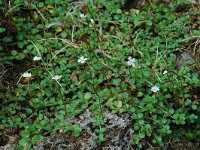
(56, 77)
(165, 72)
(155, 89)
(26, 75)
(82, 60)
(92, 21)
(131, 61)
(82, 15)
(36, 58)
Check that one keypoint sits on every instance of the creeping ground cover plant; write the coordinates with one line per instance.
(99, 56)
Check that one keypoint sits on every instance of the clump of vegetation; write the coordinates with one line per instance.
(76, 56)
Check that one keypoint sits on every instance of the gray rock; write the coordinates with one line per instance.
(7, 147)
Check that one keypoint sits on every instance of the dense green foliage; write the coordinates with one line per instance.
(56, 32)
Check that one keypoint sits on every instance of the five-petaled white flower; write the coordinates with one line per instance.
(26, 75)
(131, 61)
(82, 60)
(165, 72)
(155, 89)
(56, 77)
(36, 58)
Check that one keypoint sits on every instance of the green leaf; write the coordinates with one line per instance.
(40, 4)
(19, 36)
(141, 135)
(132, 109)
(77, 130)
(171, 111)
(47, 127)
(20, 56)
(40, 117)
(43, 122)
(101, 138)
(35, 100)
(194, 107)
(140, 116)
(116, 81)
(188, 102)
(7, 39)
(87, 95)
(2, 30)
(14, 52)
(64, 34)
(136, 126)
(149, 107)
(140, 94)
(36, 138)
(23, 142)
(20, 44)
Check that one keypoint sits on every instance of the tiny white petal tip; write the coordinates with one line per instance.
(26, 75)
(56, 77)
(131, 61)
(92, 21)
(82, 59)
(82, 15)
(165, 72)
(37, 58)
(155, 89)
